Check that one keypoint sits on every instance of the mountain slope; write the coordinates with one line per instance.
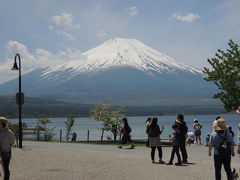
(121, 52)
(124, 71)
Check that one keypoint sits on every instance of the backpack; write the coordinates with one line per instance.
(224, 148)
(128, 129)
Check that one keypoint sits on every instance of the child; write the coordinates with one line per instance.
(176, 145)
(207, 139)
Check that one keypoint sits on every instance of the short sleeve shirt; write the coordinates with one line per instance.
(215, 140)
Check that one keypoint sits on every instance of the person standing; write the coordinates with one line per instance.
(6, 142)
(223, 144)
(114, 131)
(231, 131)
(126, 130)
(176, 144)
(154, 139)
(74, 136)
(148, 122)
(197, 131)
(182, 126)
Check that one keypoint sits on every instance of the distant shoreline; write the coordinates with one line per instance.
(186, 114)
(39, 108)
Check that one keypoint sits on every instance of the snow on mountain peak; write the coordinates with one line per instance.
(119, 52)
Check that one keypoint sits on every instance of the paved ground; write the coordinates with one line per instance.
(66, 161)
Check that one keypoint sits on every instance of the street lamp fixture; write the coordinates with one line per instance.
(19, 96)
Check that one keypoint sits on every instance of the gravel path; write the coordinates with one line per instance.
(66, 161)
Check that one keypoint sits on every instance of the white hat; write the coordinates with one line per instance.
(3, 120)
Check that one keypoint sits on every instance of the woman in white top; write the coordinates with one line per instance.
(197, 131)
(6, 142)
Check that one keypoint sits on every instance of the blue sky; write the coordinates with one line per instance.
(48, 32)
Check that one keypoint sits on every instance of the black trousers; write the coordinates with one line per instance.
(5, 165)
(226, 162)
(183, 149)
(175, 149)
(153, 152)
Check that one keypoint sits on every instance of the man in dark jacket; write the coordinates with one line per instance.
(183, 131)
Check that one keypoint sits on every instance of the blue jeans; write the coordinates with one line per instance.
(226, 162)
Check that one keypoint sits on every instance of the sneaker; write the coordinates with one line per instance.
(153, 161)
(184, 162)
(169, 163)
(120, 147)
(161, 162)
(178, 164)
(132, 147)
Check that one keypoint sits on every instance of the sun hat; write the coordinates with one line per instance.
(238, 110)
(220, 125)
(3, 120)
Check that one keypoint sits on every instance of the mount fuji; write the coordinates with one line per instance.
(123, 71)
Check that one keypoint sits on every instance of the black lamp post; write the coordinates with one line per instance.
(19, 97)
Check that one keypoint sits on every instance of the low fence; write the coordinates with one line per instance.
(32, 132)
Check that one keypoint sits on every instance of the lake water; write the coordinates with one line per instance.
(82, 125)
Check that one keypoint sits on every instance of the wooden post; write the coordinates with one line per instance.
(88, 136)
(38, 135)
(60, 135)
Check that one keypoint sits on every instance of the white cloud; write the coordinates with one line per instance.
(132, 11)
(101, 35)
(50, 27)
(187, 18)
(65, 24)
(40, 58)
(67, 35)
(65, 20)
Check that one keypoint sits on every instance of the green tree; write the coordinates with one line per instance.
(38, 128)
(48, 132)
(68, 124)
(102, 113)
(116, 122)
(14, 127)
(225, 73)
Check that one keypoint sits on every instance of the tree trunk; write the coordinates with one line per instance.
(16, 141)
(102, 135)
(67, 137)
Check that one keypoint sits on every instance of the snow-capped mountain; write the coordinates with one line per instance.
(120, 52)
(124, 71)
